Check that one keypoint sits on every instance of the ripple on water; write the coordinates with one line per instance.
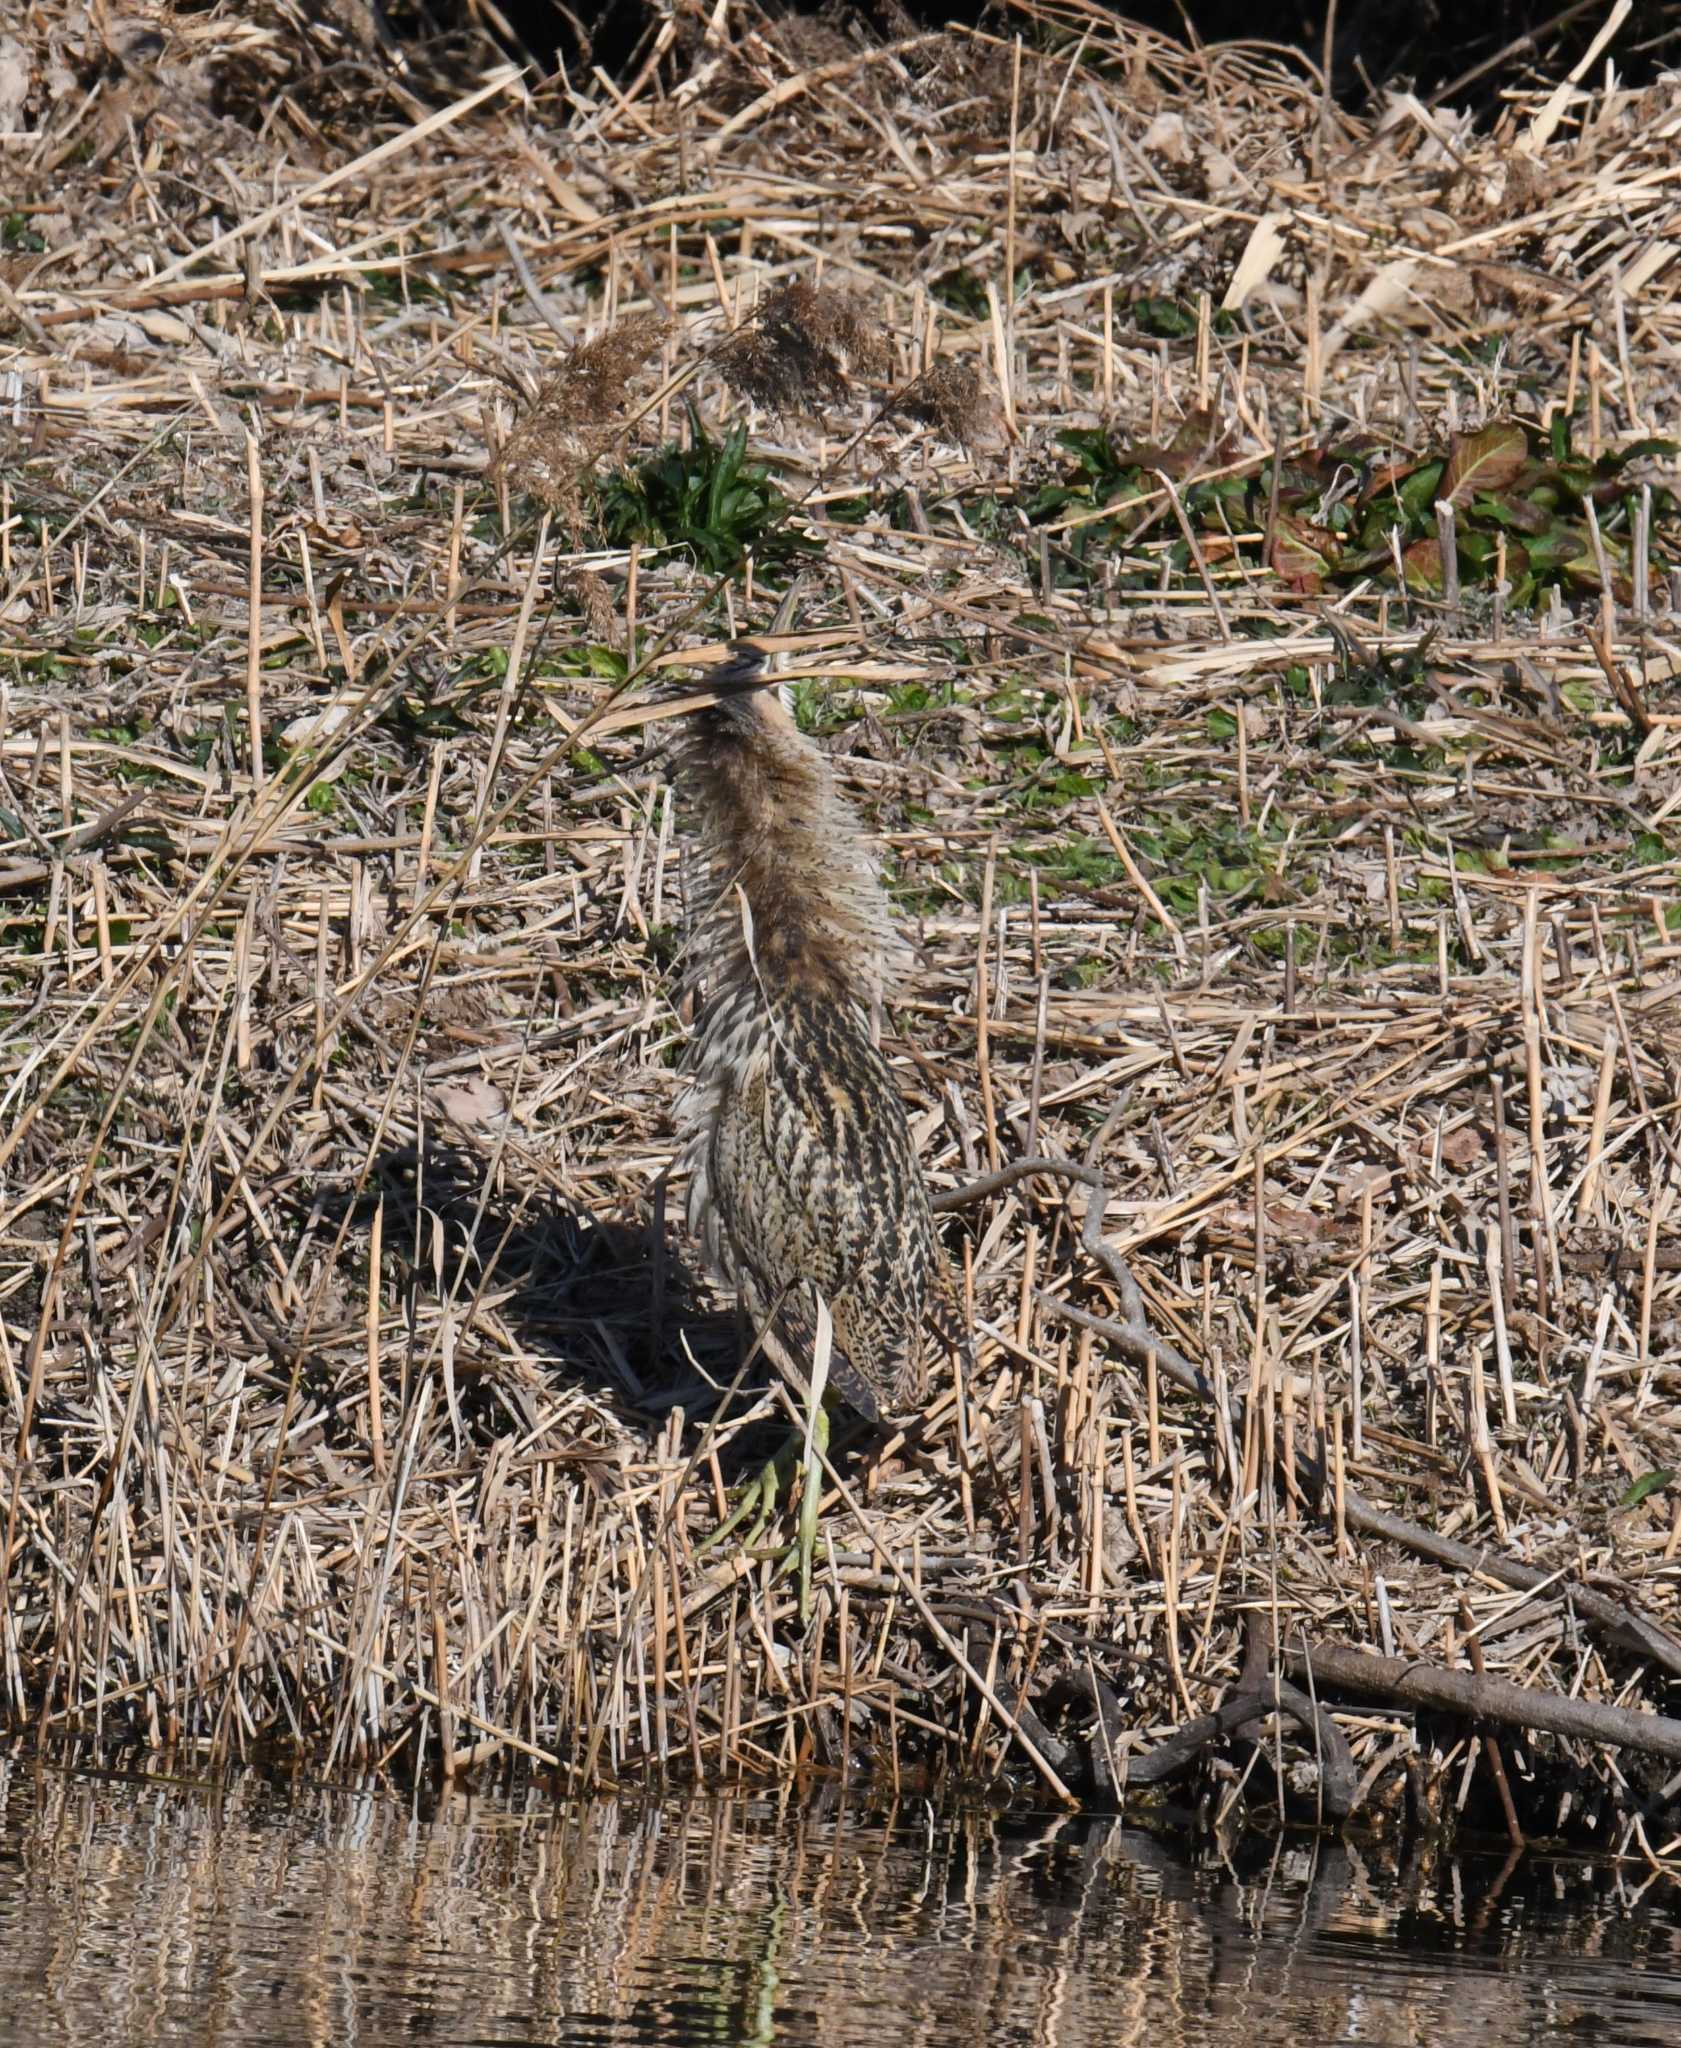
(254, 1912)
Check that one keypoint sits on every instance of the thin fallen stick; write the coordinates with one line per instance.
(532, 289)
(1134, 1334)
(1485, 1699)
(254, 624)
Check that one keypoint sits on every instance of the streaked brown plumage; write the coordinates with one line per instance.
(804, 1174)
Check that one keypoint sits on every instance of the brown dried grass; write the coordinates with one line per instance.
(352, 1357)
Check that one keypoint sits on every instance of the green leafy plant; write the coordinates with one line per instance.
(1122, 480)
(1174, 320)
(1185, 854)
(1354, 508)
(1519, 504)
(706, 497)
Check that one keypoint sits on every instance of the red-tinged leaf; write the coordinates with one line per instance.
(1422, 564)
(1142, 455)
(1387, 476)
(1303, 555)
(1484, 462)
(1196, 440)
(1463, 1149)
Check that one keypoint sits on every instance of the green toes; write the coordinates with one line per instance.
(756, 1504)
(758, 1498)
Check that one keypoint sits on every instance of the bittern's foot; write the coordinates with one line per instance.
(758, 1497)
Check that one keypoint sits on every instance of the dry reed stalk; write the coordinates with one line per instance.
(347, 1083)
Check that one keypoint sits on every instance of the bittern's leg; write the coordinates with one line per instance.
(816, 1444)
(808, 1504)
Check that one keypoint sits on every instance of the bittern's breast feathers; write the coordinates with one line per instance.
(805, 1181)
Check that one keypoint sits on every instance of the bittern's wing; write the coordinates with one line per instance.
(844, 1209)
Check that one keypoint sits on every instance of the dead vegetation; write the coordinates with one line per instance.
(1311, 897)
(566, 427)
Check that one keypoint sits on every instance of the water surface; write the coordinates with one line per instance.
(251, 1912)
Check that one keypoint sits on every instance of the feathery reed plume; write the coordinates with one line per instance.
(798, 347)
(805, 1179)
(559, 437)
(948, 397)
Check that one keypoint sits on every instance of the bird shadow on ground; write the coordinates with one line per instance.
(616, 1309)
(606, 1303)
(613, 1310)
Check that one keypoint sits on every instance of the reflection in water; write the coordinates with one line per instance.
(254, 1912)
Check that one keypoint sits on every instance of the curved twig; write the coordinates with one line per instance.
(1134, 1334)
(1260, 1692)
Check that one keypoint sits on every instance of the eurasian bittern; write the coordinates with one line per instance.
(805, 1187)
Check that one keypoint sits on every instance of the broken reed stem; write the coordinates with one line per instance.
(983, 1008)
(1008, 291)
(254, 627)
(1491, 1747)
(376, 1399)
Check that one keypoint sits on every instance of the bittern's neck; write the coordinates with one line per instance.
(792, 896)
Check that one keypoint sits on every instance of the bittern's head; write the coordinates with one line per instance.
(749, 695)
(748, 689)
